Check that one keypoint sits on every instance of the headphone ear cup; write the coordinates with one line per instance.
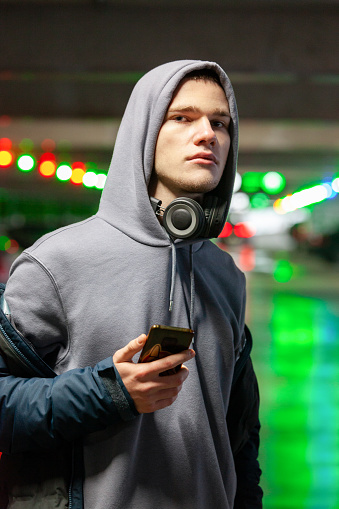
(184, 218)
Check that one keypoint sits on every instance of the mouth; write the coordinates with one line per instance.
(203, 158)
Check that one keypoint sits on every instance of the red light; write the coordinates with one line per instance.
(13, 247)
(47, 156)
(226, 231)
(79, 164)
(247, 259)
(48, 145)
(244, 230)
(5, 144)
(6, 157)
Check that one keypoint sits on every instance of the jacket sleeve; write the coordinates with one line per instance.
(249, 493)
(40, 413)
(243, 425)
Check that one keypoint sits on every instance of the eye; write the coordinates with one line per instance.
(220, 124)
(180, 118)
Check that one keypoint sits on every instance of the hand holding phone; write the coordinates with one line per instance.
(149, 392)
(164, 340)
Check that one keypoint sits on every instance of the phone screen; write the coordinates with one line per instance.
(164, 340)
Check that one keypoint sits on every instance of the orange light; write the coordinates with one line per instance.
(6, 158)
(77, 175)
(47, 168)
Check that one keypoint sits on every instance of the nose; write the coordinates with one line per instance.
(204, 133)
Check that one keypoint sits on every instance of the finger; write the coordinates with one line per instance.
(163, 401)
(154, 383)
(126, 353)
(170, 362)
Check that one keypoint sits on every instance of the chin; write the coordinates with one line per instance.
(201, 187)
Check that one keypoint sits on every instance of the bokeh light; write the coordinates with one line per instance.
(26, 162)
(64, 172)
(273, 182)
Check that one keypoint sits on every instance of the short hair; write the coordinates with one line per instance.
(204, 74)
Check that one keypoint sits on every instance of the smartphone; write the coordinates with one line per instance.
(163, 340)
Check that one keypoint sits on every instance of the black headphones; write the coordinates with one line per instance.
(185, 218)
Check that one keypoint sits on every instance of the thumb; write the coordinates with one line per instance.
(126, 353)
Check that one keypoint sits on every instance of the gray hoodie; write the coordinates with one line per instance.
(84, 291)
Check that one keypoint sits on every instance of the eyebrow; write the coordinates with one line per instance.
(193, 109)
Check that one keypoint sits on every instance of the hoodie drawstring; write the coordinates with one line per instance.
(173, 274)
(192, 289)
(174, 269)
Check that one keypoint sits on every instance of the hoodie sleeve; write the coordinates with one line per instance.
(36, 306)
(40, 413)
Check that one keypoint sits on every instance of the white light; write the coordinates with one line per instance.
(90, 179)
(26, 162)
(240, 202)
(237, 182)
(101, 181)
(64, 172)
(335, 185)
(286, 204)
(308, 196)
(328, 188)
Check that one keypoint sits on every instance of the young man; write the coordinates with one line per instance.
(112, 433)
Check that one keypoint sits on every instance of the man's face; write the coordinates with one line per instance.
(193, 142)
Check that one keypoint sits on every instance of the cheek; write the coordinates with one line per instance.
(167, 148)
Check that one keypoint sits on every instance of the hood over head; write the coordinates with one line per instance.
(125, 201)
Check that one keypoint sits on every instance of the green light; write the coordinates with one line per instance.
(251, 181)
(26, 162)
(91, 166)
(4, 242)
(259, 201)
(64, 172)
(26, 145)
(273, 182)
(283, 271)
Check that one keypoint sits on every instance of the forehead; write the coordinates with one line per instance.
(199, 93)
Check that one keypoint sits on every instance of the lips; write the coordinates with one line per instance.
(203, 156)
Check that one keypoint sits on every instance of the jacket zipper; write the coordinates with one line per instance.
(18, 354)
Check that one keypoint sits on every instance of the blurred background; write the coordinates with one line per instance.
(67, 69)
